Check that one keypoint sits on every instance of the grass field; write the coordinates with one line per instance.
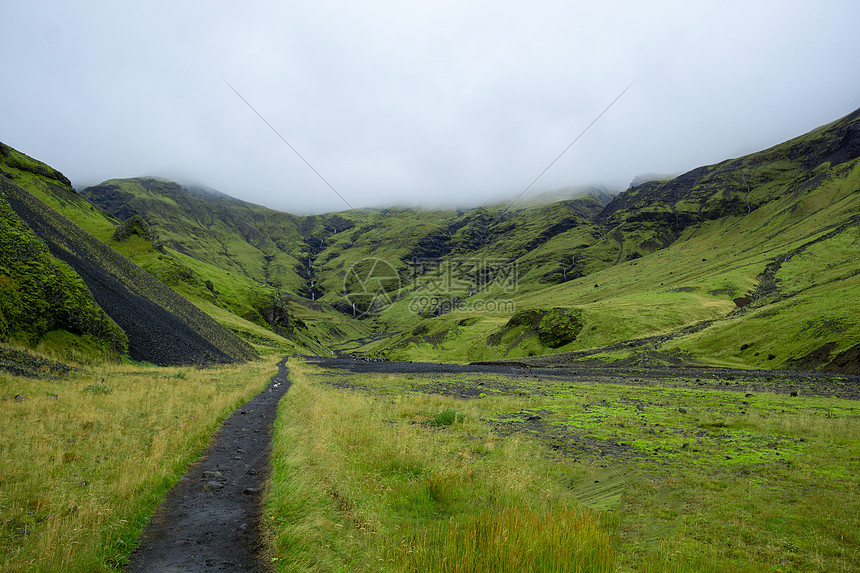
(85, 460)
(404, 473)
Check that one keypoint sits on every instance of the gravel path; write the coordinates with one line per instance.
(211, 520)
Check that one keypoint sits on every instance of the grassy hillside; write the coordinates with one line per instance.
(236, 255)
(243, 238)
(747, 263)
(245, 264)
(160, 325)
(41, 297)
(699, 267)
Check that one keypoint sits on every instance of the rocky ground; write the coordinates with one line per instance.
(777, 381)
(211, 520)
(21, 363)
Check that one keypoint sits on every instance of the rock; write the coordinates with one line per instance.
(251, 490)
(243, 528)
(211, 474)
(20, 398)
(213, 485)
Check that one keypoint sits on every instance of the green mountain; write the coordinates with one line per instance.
(243, 263)
(748, 263)
(289, 253)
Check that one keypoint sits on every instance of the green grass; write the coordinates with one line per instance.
(447, 417)
(363, 483)
(663, 477)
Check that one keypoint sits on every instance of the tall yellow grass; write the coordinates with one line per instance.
(509, 539)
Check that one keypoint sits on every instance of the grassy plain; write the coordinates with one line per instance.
(399, 482)
(85, 460)
(570, 476)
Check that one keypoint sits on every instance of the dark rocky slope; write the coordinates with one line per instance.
(735, 186)
(162, 327)
(40, 294)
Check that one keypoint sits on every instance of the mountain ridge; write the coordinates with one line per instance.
(763, 239)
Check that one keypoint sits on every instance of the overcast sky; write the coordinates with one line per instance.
(402, 103)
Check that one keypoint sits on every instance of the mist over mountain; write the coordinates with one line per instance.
(447, 105)
(732, 263)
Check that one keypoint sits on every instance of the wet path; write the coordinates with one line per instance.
(211, 520)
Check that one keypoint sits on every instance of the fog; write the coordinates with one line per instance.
(408, 103)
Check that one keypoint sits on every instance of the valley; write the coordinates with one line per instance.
(663, 379)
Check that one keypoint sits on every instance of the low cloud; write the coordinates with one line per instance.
(399, 103)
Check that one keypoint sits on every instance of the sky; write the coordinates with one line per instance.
(338, 105)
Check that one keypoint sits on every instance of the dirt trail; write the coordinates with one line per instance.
(211, 520)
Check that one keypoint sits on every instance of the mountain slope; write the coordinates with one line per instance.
(765, 277)
(234, 235)
(40, 294)
(162, 327)
(748, 262)
(658, 212)
(311, 256)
